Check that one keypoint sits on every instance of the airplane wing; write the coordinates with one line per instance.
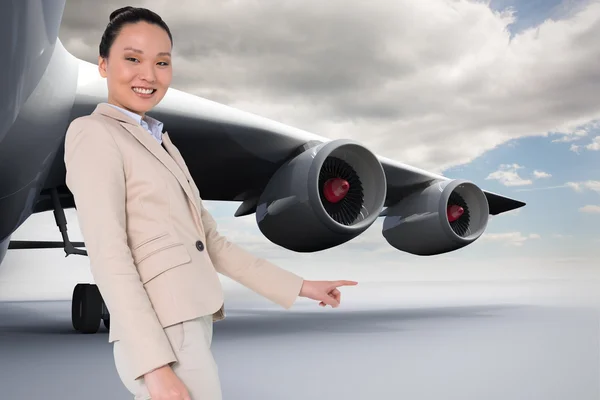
(280, 173)
(401, 178)
(232, 154)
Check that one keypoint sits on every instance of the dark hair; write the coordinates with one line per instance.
(124, 16)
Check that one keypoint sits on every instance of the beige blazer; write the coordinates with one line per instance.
(154, 249)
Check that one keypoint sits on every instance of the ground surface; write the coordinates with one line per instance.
(423, 340)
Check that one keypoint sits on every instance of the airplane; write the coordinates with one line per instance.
(329, 191)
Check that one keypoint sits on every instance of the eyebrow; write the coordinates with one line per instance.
(164, 53)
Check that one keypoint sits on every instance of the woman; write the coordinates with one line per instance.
(154, 249)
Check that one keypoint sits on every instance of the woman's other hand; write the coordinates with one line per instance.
(163, 384)
(325, 292)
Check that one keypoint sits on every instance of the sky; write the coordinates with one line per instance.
(500, 92)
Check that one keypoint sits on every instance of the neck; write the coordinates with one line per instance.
(116, 103)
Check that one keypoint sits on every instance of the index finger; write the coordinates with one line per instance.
(344, 283)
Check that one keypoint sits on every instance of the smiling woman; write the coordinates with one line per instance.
(154, 249)
(135, 57)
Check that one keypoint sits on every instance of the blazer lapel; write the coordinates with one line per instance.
(176, 157)
(152, 145)
(170, 147)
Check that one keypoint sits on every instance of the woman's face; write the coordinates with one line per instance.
(139, 60)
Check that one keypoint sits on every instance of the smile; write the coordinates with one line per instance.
(143, 91)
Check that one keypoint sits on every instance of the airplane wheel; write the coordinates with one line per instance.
(86, 308)
(75, 309)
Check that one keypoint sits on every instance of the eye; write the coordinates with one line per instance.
(163, 63)
(132, 59)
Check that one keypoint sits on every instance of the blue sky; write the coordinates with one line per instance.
(551, 209)
(531, 13)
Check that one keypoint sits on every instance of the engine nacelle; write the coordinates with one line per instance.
(443, 217)
(323, 197)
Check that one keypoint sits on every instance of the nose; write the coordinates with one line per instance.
(147, 73)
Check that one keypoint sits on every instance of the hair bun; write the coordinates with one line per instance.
(121, 10)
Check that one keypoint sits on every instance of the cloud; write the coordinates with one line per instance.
(509, 238)
(561, 236)
(567, 139)
(591, 209)
(541, 188)
(577, 133)
(432, 83)
(540, 174)
(576, 186)
(508, 176)
(581, 186)
(595, 145)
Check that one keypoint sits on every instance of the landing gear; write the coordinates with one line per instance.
(61, 222)
(88, 309)
(87, 306)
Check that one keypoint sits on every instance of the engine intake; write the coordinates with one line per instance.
(443, 217)
(323, 197)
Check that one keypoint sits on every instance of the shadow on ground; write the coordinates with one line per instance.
(55, 318)
(281, 322)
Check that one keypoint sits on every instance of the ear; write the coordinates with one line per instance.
(102, 66)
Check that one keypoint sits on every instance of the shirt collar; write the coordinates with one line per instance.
(153, 126)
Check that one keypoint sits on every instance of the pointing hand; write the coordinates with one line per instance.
(325, 292)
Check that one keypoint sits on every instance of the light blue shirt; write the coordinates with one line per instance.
(151, 125)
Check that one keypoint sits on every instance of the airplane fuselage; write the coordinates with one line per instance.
(39, 85)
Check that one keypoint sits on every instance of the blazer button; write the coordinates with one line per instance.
(199, 245)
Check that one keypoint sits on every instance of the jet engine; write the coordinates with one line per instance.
(323, 197)
(443, 217)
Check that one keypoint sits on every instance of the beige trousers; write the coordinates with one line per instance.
(195, 366)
